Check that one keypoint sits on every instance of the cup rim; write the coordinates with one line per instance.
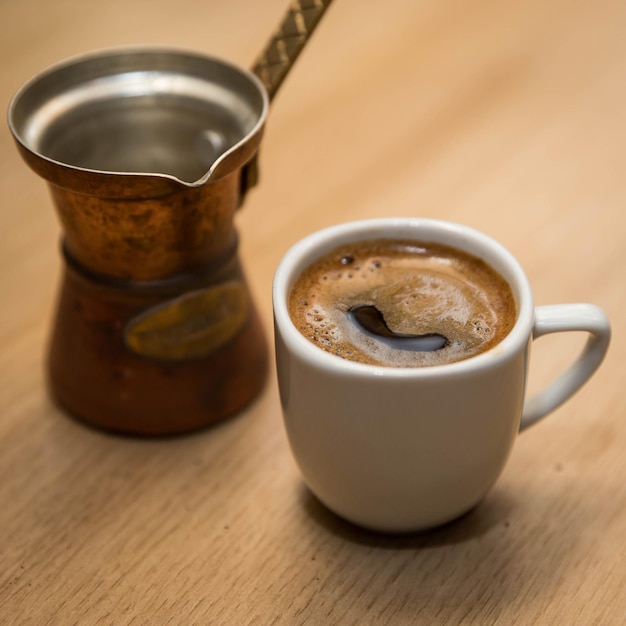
(308, 249)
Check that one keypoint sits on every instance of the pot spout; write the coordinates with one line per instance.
(139, 117)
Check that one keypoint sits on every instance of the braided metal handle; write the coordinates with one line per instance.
(283, 49)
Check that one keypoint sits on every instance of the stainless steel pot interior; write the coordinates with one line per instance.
(148, 111)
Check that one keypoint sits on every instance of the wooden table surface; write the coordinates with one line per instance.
(507, 116)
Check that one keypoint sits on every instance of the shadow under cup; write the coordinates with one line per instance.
(404, 449)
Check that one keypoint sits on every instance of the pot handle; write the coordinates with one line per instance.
(564, 318)
(287, 42)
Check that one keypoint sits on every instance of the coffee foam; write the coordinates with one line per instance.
(419, 288)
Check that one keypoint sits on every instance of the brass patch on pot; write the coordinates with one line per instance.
(192, 326)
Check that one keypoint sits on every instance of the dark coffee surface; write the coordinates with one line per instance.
(402, 303)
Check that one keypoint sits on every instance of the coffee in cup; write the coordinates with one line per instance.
(402, 303)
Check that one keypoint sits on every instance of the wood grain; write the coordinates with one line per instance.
(505, 116)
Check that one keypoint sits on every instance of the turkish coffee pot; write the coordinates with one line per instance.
(148, 154)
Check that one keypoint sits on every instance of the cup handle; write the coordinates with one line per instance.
(561, 318)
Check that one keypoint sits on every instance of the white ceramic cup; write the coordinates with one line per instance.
(405, 449)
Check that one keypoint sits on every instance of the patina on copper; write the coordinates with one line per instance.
(146, 154)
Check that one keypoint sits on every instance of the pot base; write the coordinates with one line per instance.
(187, 367)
